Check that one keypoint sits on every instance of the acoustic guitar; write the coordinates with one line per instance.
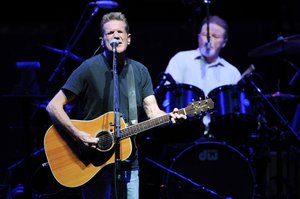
(72, 166)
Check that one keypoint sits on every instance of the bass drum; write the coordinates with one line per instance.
(178, 96)
(216, 166)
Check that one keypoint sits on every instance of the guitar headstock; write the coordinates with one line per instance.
(198, 107)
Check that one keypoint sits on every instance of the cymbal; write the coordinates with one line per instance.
(282, 96)
(64, 52)
(282, 44)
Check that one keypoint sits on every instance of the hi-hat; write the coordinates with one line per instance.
(282, 44)
(282, 96)
(64, 52)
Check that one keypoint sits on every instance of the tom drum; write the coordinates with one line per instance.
(233, 109)
(178, 95)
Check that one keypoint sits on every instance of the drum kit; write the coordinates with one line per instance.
(221, 165)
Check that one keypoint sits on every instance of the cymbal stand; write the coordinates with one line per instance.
(199, 186)
(278, 114)
(288, 127)
(68, 49)
(291, 83)
(70, 46)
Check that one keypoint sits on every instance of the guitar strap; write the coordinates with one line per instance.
(131, 96)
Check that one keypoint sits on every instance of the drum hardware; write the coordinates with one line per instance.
(285, 133)
(164, 77)
(278, 114)
(65, 52)
(292, 81)
(282, 96)
(198, 186)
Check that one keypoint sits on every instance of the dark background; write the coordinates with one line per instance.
(159, 29)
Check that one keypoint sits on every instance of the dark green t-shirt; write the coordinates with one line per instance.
(93, 83)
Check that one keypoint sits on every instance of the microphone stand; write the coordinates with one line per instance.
(116, 121)
(207, 2)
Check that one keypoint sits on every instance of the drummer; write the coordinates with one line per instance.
(203, 67)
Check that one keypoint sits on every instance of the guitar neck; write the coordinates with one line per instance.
(146, 125)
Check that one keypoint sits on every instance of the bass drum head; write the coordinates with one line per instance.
(216, 166)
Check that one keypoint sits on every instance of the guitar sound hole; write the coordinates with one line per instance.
(105, 140)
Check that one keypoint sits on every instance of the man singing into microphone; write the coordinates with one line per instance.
(93, 86)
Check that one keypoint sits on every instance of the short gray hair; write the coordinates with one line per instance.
(113, 16)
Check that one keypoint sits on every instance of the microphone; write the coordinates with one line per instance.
(208, 45)
(114, 44)
(105, 4)
(246, 74)
(207, 50)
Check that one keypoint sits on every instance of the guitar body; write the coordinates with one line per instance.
(70, 167)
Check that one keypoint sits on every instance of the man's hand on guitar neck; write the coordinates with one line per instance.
(176, 116)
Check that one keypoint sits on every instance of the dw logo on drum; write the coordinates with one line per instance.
(208, 155)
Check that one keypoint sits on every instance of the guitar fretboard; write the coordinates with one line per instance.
(146, 125)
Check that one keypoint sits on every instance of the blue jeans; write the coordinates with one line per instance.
(102, 185)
